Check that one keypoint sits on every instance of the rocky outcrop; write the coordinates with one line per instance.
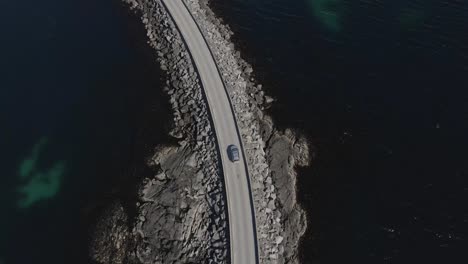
(272, 155)
(182, 214)
(182, 219)
(112, 242)
(286, 151)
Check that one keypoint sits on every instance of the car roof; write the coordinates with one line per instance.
(233, 147)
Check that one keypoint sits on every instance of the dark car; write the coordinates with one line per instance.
(233, 153)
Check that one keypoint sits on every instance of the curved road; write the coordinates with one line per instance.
(239, 202)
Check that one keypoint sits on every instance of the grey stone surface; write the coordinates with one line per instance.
(272, 154)
(112, 241)
(182, 217)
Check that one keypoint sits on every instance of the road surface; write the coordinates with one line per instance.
(243, 239)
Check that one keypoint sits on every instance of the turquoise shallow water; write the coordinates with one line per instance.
(80, 106)
(379, 88)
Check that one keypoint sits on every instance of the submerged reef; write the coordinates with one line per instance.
(39, 185)
(411, 17)
(328, 12)
(30, 163)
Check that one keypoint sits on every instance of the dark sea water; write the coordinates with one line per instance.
(80, 108)
(380, 89)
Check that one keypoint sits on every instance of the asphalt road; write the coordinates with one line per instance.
(243, 244)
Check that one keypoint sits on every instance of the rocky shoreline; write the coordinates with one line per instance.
(182, 215)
